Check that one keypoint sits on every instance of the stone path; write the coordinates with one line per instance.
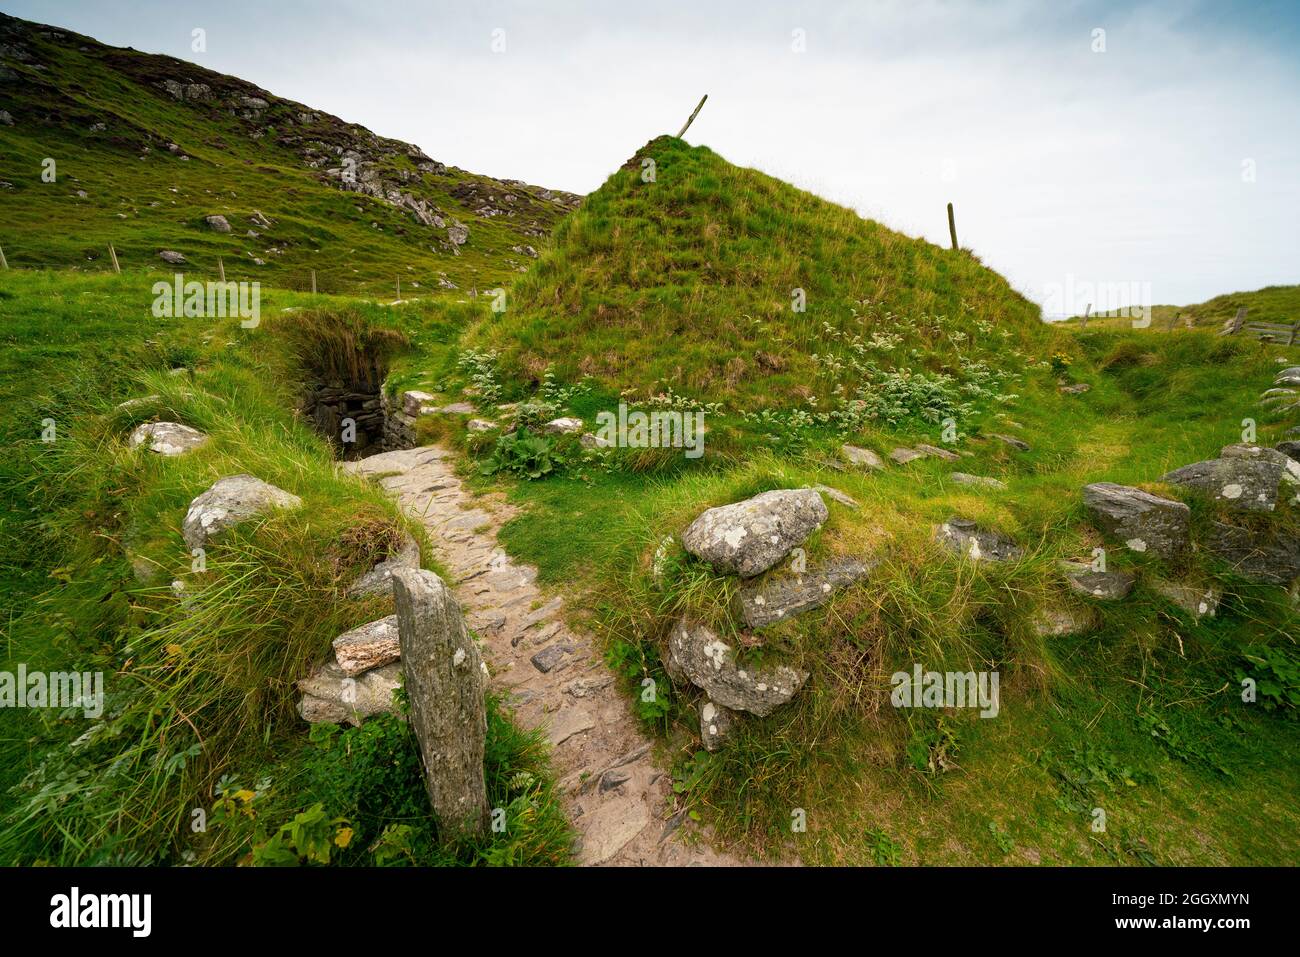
(617, 798)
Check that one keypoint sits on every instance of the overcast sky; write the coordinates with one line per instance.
(1161, 155)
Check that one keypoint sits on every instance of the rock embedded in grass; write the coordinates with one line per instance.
(1242, 480)
(1264, 557)
(1060, 621)
(1146, 523)
(371, 645)
(939, 453)
(479, 425)
(747, 538)
(778, 596)
(710, 664)
(414, 401)
(1197, 601)
(966, 538)
(1111, 585)
(563, 426)
(903, 456)
(863, 458)
(217, 223)
(835, 495)
(715, 725)
(1077, 388)
(965, 478)
(228, 502)
(171, 256)
(1018, 444)
(1290, 449)
(167, 438)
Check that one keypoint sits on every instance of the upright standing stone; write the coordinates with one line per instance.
(445, 682)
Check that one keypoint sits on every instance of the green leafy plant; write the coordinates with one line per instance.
(1276, 675)
(521, 453)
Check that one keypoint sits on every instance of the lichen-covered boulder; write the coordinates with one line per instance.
(710, 664)
(1059, 621)
(1109, 585)
(1199, 602)
(749, 537)
(715, 724)
(966, 538)
(167, 438)
(779, 596)
(1246, 478)
(1146, 523)
(228, 502)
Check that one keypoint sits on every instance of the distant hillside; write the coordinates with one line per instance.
(145, 148)
(692, 281)
(1270, 304)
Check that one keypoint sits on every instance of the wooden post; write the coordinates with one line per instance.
(1295, 326)
(221, 268)
(3, 262)
(952, 226)
(1172, 320)
(313, 282)
(1087, 309)
(698, 107)
(113, 255)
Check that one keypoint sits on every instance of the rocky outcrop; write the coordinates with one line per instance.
(964, 537)
(710, 664)
(1145, 523)
(446, 681)
(228, 502)
(777, 597)
(167, 438)
(749, 537)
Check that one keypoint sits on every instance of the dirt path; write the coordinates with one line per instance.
(616, 797)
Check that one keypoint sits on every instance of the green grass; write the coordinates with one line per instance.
(200, 683)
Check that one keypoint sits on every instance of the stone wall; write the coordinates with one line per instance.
(328, 404)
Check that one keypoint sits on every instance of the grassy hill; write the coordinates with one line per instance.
(1270, 304)
(145, 148)
(691, 281)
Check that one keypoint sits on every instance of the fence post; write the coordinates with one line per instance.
(3, 262)
(952, 226)
(1086, 310)
(693, 116)
(313, 282)
(221, 267)
(113, 255)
